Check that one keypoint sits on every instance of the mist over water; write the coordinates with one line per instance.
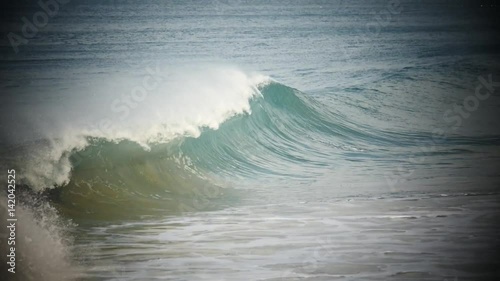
(238, 140)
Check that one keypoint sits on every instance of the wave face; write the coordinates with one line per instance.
(182, 107)
(276, 131)
(232, 126)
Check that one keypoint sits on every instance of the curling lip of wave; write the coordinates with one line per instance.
(200, 101)
(170, 176)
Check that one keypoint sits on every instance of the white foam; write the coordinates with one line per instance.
(43, 250)
(180, 104)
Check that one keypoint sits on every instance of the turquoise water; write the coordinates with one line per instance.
(238, 140)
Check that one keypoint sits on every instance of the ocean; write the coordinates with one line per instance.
(251, 140)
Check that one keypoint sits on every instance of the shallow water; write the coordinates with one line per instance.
(415, 237)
